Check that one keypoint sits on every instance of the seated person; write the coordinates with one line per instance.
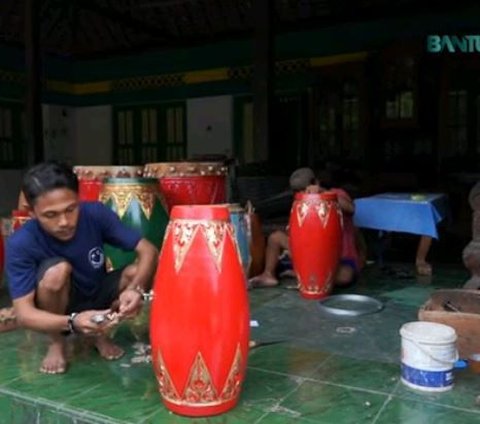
(304, 179)
(55, 266)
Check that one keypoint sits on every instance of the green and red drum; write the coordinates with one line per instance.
(315, 228)
(139, 204)
(199, 323)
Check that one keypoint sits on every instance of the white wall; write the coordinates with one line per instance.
(91, 129)
(210, 126)
(57, 133)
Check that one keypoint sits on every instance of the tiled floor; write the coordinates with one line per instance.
(326, 370)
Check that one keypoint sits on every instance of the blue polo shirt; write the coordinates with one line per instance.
(30, 245)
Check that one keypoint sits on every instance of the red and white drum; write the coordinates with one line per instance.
(90, 178)
(199, 323)
(316, 223)
(190, 183)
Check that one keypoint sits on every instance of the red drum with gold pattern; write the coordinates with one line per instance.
(199, 323)
(190, 183)
(19, 217)
(90, 178)
(315, 242)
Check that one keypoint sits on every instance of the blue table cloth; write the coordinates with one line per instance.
(416, 213)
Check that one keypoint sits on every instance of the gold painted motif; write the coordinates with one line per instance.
(123, 195)
(215, 233)
(165, 383)
(234, 380)
(200, 389)
(322, 209)
(313, 288)
(108, 265)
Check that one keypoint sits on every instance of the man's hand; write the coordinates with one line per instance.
(84, 322)
(130, 302)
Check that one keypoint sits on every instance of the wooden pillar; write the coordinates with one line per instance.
(33, 107)
(263, 76)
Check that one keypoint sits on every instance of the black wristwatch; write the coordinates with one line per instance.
(71, 326)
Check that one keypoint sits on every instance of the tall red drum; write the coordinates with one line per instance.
(316, 223)
(199, 322)
(190, 183)
(90, 178)
(19, 217)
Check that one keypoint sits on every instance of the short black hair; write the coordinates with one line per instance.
(48, 176)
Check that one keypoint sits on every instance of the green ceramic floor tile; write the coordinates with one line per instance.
(239, 415)
(399, 411)
(122, 395)
(372, 375)
(6, 411)
(263, 390)
(411, 296)
(463, 395)
(275, 418)
(326, 404)
(287, 359)
(327, 370)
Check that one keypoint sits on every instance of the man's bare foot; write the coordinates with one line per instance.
(55, 361)
(263, 280)
(107, 349)
(423, 268)
(289, 273)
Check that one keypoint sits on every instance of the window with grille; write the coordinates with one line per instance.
(149, 133)
(457, 123)
(125, 138)
(175, 134)
(12, 136)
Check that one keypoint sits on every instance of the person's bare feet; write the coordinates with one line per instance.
(263, 280)
(107, 349)
(423, 268)
(55, 361)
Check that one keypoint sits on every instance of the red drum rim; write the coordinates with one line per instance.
(201, 212)
(16, 213)
(326, 195)
(94, 172)
(165, 169)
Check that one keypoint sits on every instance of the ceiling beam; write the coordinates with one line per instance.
(125, 19)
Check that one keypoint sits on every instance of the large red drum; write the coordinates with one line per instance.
(315, 242)
(19, 217)
(90, 178)
(199, 323)
(190, 183)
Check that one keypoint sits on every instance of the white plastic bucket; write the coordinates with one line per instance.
(428, 355)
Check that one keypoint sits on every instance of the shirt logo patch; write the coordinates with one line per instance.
(96, 257)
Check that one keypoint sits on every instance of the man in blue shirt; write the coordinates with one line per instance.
(55, 266)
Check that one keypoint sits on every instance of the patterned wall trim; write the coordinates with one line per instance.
(79, 89)
(12, 77)
(148, 82)
(316, 62)
(284, 67)
(209, 75)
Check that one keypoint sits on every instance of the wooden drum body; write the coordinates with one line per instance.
(199, 323)
(315, 242)
(190, 183)
(90, 178)
(139, 204)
